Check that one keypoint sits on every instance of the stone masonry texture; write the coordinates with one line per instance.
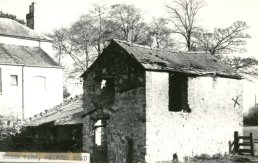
(140, 112)
(125, 119)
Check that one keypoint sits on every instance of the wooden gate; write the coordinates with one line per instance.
(242, 144)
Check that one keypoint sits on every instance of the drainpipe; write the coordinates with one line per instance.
(23, 91)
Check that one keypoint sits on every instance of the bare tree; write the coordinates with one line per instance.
(58, 36)
(141, 34)
(127, 17)
(82, 35)
(99, 11)
(77, 41)
(225, 40)
(244, 66)
(228, 40)
(183, 17)
(161, 33)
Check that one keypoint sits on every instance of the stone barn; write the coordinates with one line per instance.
(150, 104)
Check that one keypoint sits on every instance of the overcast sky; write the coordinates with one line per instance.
(217, 13)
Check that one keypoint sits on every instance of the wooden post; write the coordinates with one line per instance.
(230, 147)
(252, 144)
(236, 141)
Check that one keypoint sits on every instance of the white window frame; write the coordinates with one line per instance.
(14, 80)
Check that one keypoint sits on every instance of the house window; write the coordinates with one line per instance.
(0, 81)
(14, 80)
(178, 96)
(39, 83)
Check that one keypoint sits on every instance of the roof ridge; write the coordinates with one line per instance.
(31, 34)
(159, 49)
(199, 61)
(22, 53)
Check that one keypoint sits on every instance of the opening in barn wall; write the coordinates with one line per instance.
(100, 144)
(178, 94)
(129, 151)
(108, 91)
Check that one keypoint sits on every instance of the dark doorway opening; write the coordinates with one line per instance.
(129, 155)
(178, 93)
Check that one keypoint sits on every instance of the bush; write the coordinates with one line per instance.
(11, 16)
(9, 128)
(251, 118)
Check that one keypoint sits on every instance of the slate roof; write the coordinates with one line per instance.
(198, 63)
(25, 55)
(69, 112)
(9, 27)
(189, 62)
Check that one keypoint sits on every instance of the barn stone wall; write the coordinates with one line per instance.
(127, 123)
(206, 129)
(125, 119)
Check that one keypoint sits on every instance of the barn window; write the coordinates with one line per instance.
(129, 152)
(108, 91)
(98, 132)
(178, 96)
(103, 83)
(14, 80)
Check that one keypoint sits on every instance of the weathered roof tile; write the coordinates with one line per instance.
(9, 27)
(66, 113)
(186, 62)
(25, 55)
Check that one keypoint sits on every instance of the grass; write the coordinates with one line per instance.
(218, 158)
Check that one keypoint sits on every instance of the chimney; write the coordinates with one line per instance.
(30, 17)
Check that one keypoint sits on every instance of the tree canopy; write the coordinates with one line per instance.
(84, 40)
(223, 40)
(11, 16)
(183, 15)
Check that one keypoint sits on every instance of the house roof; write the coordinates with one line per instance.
(25, 55)
(198, 63)
(12, 28)
(68, 112)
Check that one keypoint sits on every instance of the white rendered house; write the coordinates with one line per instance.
(30, 80)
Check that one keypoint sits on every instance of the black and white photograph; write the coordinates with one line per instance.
(129, 81)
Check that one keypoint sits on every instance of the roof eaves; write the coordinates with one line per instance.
(35, 120)
(28, 38)
(198, 72)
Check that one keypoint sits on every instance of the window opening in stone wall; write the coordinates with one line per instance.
(129, 154)
(103, 83)
(108, 91)
(178, 95)
(98, 132)
(14, 80)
